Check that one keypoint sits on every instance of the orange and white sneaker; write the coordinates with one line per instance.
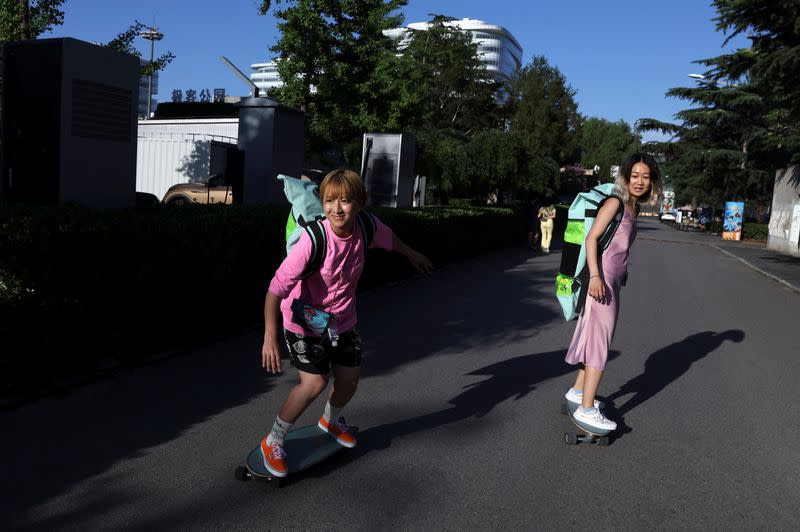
(339, 431)
(274, 458)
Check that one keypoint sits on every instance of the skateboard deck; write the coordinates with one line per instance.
(586, 435)
(304, 446)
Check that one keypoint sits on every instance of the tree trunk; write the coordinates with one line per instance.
(25, 27)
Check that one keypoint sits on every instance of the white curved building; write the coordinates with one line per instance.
(265, 76)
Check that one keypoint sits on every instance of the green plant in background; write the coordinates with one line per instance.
(124, 42)
(27, 19)
(605, 144)
(542, 109)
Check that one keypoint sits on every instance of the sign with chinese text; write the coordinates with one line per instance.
(191, 95)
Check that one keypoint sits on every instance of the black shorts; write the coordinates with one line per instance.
(316, 354)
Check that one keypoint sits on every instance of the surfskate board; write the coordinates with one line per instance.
(305, 447)
(586, 435)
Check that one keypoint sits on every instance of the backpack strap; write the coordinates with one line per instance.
(605, 238)
(368, 228)
(319, 239)
(319, 246)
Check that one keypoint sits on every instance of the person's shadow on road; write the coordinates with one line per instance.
(510, 379)
(664, 367)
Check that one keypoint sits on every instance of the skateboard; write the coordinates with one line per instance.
(305, 447)
(573, 438)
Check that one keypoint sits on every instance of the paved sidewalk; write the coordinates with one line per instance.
(784, 269)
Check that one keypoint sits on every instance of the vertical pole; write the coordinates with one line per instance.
(150, 77)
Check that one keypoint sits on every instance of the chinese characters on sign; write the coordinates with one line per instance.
(192, 96)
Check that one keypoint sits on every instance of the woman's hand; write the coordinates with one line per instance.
(270, 354)
(597, 289)
(420, 262)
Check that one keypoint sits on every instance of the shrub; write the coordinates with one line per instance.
(754, 231)
(81, 291)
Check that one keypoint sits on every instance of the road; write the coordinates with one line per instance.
(463, 378)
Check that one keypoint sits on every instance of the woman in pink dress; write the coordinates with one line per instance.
(639, 182)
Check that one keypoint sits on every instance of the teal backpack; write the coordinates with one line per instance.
(573, 275)
(307, 215)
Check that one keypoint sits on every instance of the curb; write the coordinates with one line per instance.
(759, 270)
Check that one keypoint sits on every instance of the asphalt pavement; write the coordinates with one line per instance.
(459, 413)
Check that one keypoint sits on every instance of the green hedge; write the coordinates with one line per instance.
(82, 291)
(753, 231)
(750, 231)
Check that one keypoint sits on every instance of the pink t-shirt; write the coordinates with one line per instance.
(333, 287)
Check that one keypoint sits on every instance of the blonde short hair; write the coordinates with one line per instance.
(343, 183)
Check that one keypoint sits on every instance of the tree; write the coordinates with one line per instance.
(27, 19)
(605, 144)
(443, 83)
(492, 162)
(542, 109)
(124, 42)
(542, 177)
(443, 94)
(721, 148)
(333, 57)
(744, 123)
(771, 65)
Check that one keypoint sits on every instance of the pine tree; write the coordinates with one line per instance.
(542, 109)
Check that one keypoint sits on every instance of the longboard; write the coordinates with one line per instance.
(573, 438)
(304, 446)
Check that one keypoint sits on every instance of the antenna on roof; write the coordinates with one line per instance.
(239, 73)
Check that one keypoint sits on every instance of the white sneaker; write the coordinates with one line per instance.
(574, 398)
(595, 420)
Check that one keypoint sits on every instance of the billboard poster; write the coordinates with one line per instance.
(732, 224)
(669, 201)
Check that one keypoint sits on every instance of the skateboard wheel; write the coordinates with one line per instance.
(570, 438)
(242, 473)
(274, 482)
(603, 441)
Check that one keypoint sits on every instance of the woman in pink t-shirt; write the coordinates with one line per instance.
(317, 350)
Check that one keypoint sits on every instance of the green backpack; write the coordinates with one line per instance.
(573, 274)
(306, 216)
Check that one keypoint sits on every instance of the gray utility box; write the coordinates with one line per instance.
(69, 124)
(271, 136)
(389, 175)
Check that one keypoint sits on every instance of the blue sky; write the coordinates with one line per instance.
(619, 55)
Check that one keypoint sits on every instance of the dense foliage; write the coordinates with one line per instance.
(605, 144)
(27, 19)
(475, 136)
(743, 123)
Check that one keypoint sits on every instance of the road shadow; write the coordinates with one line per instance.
(53, 445)
(507, 300)
(662, 368)
(781, 259)
(484, 301)
(511, 379)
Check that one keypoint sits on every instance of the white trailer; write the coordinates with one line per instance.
(171, 152)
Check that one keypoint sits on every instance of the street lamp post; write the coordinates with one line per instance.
(152, 35)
